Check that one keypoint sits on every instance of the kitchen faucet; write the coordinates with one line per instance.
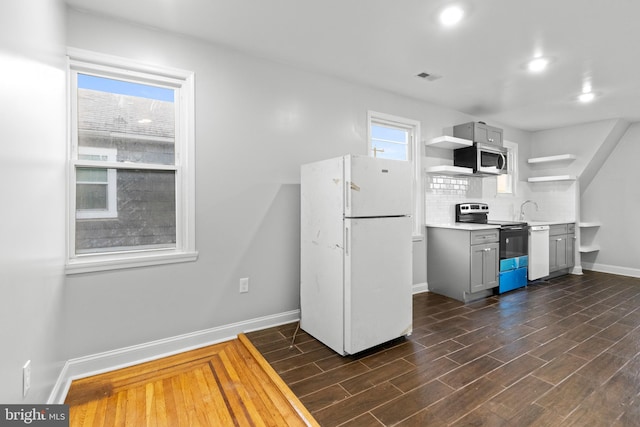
(522, 208)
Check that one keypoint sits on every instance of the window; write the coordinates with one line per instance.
(393, 137)
(96, 187)
(131, 177)
(389, 141)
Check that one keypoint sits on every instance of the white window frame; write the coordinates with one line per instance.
(184, 167)
(413, 128)
(112, 191)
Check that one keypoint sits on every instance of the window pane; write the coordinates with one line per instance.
(91, 175)
(389, 142)
(391, 150)
(96, 157)
(91, 196)
(388, 133)
(146, 208)
(135, 119)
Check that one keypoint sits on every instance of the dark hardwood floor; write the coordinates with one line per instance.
(560, 353)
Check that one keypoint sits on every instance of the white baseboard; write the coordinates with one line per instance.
(418, 288)
(613, 269)
(93, 364)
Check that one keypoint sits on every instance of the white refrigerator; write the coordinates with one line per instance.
(356, 251)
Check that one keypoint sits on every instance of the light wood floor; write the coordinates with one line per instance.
(227, 384)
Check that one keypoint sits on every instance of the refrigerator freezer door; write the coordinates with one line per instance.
(378, 281)
(376, 187)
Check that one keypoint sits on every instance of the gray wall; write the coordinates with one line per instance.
(613, 199)
(32, 185)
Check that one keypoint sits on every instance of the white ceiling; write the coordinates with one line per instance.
(385, 43)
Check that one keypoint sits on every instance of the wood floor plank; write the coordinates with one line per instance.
(217, 399)
(236, 398)
(90, 413)
(110, 410)
(121, 409)
(159, 407)
(171, 412)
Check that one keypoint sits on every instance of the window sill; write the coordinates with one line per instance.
(118, 262)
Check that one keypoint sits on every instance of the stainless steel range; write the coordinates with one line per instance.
(514, 244)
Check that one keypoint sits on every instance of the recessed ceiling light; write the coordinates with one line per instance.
(537, 65)
(144, 121)
(451, 15)
(586, 97)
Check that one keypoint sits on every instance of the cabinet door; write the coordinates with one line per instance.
(571, 248)
(557, 253)
(494, 136)
(481, 133)
(487, 134)
(553, 251)
(562, 252)
(484, 267)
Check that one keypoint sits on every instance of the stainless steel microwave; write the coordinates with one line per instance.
(482, 158)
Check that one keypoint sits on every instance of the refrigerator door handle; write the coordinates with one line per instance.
(347, 193)
(346, 241)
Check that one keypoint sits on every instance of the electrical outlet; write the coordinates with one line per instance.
(244, 285)
(26, 378)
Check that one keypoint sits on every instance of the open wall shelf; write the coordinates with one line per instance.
(550, 159)
(552, 178)
(449, 170)
(449, 142)
(589, 224)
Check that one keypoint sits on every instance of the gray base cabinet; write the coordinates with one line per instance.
(462, 264)
(562, 239)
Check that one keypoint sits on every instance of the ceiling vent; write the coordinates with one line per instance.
(428, 76)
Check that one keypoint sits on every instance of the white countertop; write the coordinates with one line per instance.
(472, 227)
(464, 226)
(550, 222)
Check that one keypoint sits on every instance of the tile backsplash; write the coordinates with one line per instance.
(443, 192)
(556, 201)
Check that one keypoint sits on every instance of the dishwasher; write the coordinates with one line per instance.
(538, 251)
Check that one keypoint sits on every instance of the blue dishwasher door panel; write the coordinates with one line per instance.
(513, 279)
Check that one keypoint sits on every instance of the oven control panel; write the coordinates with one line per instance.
(470, 208)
